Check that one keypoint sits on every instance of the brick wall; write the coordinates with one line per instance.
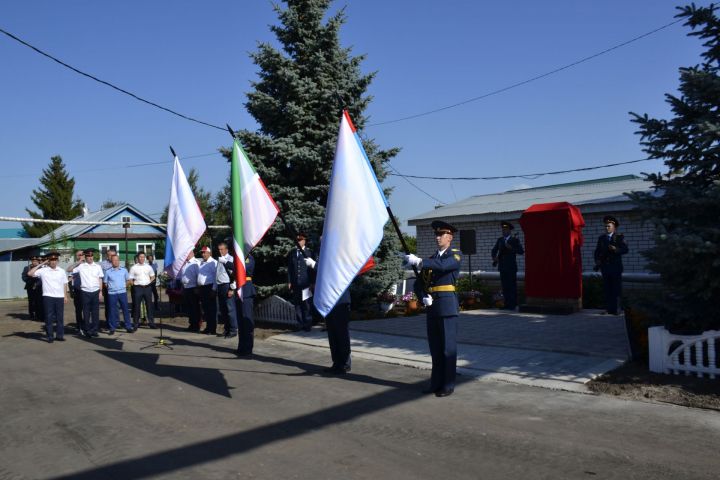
(637, 236)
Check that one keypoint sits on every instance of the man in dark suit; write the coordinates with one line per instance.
(299, 282)
(608, 259)
(503, 255)
(34, 290)
(436, 288)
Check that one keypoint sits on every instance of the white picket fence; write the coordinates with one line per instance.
(683, 353)
(276, 310)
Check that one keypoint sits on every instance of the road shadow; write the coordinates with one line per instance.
(209, 379)
(172, 460)
(28, 335)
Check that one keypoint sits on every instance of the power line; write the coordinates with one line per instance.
(411, 183)
(115, 167)
(529, 80)
(121, 90)
(527, 176)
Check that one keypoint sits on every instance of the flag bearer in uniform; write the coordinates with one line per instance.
(436, 288)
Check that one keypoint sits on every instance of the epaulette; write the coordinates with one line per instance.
(454, 250)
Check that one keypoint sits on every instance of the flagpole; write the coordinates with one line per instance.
(400, 235)
(290, 230)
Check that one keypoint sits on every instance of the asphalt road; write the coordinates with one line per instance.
(108, 408)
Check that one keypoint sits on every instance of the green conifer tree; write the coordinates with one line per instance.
(54, 199)
(685, 206)
(297, 103)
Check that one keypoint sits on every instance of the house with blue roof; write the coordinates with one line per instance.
(92, 234)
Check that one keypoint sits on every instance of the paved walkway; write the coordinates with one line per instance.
(553, 351)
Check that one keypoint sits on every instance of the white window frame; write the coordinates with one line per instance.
(145, 244)
(107, 246)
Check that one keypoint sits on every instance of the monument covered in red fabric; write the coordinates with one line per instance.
(553, 260)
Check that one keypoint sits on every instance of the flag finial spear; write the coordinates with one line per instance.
(173, 151)
(232, 133)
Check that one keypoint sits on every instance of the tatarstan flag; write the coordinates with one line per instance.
(253, 209)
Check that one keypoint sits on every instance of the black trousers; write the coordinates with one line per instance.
(91, 311)
(612, 284)
(302, 313)
(208, 300)
(246, 326)
(338, 331)
(508, 279)
(442, 339)
(192, 306)
(142, 293)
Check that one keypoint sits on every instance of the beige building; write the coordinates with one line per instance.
(594, 198)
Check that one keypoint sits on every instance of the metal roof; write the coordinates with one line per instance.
(71, 230)
(601, 191)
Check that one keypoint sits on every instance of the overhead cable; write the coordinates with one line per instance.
(525, 82)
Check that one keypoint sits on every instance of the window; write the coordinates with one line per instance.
(146, 248)
(125, 219)
(104, 247)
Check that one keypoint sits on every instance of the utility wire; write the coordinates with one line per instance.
(529, 80)
(528, 176)
(121, 90)
(398, 174)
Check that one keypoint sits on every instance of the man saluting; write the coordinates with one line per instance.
(436, 287)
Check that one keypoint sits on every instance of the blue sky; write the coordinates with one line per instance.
(193, 57)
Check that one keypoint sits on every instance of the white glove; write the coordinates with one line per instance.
(427, 300)
(310, 262)
(413, 260)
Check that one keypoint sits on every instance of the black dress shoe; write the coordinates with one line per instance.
(336, 370)
(429, 390)
(60, 339)
(231, 335)
(95, 334)
(243, 354)
(111, 332)
(445, 392)
(130, 330)
(153, 326)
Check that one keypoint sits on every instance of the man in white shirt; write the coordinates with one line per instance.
(54, 283)
(189, 277)
(91, 275)
(142, 275)
(226, 291)
(207, 269)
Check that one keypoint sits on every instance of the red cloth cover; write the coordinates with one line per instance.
(553, 260)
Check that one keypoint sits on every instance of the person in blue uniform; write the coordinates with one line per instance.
(503, 254)
(436, 288)
(337, 324)
(34, 290)
(610, 248)
(246, 320)
(299, 281)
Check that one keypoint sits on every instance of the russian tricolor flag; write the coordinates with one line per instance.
(354, 220)
(185, 222)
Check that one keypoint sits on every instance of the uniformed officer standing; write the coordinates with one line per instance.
(34, 289)
(436, 287)
(76, 293)
(246, 319)
(54, 281)
(608, 259)
(503, 255)
(337, 324)
(299, 282)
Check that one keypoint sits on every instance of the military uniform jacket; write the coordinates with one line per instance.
(31, 283)
(506, 252)
(439, 270)
(609, 261)
(299, 276)
(248, 290)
